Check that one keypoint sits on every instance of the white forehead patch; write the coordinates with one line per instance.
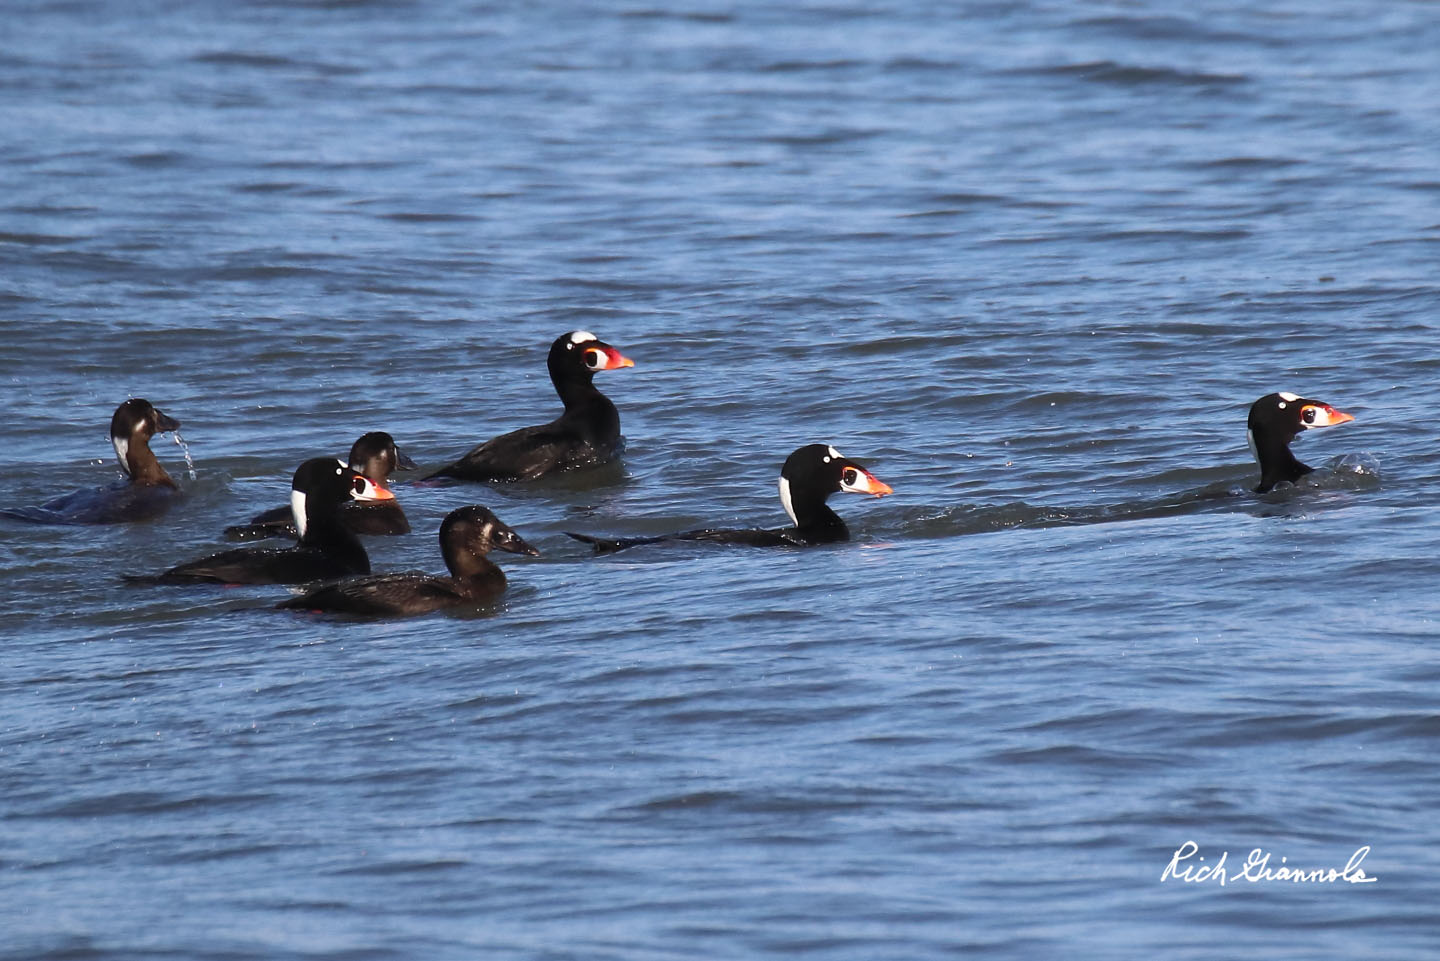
(785, 500)
(582, 337)
(1286, 395)
(835, 454)
(297, 508)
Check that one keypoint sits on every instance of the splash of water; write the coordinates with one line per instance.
(1363, 463)
(185, 449)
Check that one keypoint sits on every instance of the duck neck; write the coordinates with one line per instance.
(327, 533)
(575, 387)
(816, 522)
(1277, 463)
(474, 574)
(142, 465)
(587, 410)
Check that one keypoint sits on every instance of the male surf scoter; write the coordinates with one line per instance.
(807, 480)
(146, 491)
(1274, 421)
(327, 548)
(374, 455)
(586, 434)
(466, 536)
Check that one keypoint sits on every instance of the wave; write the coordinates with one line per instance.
(1344, 474)
(1129, 75)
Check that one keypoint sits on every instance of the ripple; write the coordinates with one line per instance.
(38, 240)
(1029, 262)
(266, 61)
(1128, 75)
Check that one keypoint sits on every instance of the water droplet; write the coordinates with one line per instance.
(185, 449)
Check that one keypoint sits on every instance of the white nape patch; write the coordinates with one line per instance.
(1286, 395)
(122, 452)
(785, 500)
(582, 337)
(297, 507)
(1250, 439)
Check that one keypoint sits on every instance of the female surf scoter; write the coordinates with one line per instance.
(1274, 421)
(374, 455)
(146, 492)
(807, 480)
(466, 536)
(586, 434)
(327, 548)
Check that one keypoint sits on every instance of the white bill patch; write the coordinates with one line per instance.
(368, 491)
(297, 508)
(785, 500)
(122, 452)
(1286, 395)
(582, 337)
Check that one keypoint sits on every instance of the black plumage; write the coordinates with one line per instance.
(807, 479)
(586, 434)
(326, 549)
(373, 455)
(467, 535)
(1274, 421)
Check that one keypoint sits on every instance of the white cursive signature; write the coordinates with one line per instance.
(1184, 866)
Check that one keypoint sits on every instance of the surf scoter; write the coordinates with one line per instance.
(145, 492)
(586, 434)
(327, 548)
(466, 536)
(374, 455)
(1274, 421)
(807, 480)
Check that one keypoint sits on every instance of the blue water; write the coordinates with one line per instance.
(1029, 263)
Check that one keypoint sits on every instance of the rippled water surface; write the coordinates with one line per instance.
(1030, 263)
